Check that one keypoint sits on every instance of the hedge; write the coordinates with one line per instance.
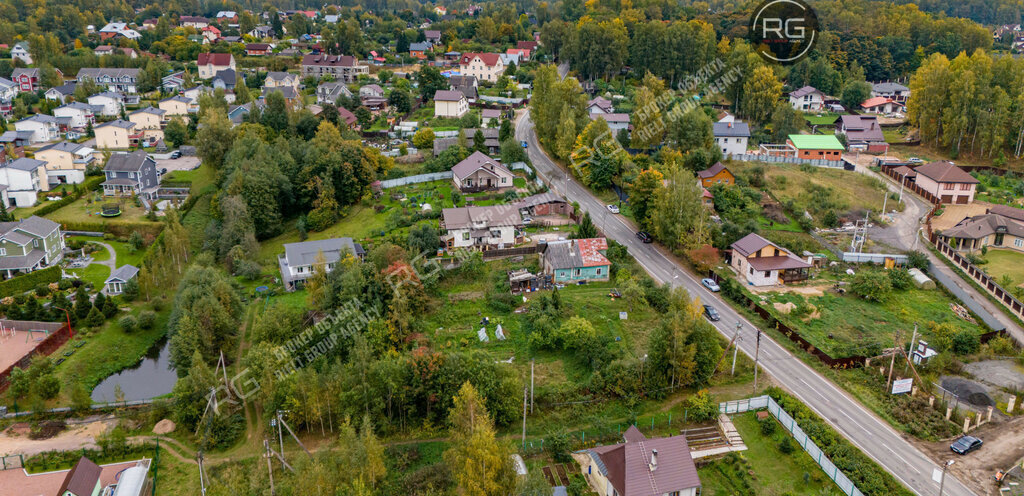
(119, 229)
(25, 282)
(867, 475)
(88, 185)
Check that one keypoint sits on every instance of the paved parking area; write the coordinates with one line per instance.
(181, 163)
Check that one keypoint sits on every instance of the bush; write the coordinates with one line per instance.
(787, 446)
(558, 444)
(966, 342)
(700, 408)
(128, 324)
(900, 279)
(147, 318)
(248, 269)
(47, 386)
(871, 284)
(767, 425)
(25, 282)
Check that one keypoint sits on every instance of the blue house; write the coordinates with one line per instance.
(576, 260)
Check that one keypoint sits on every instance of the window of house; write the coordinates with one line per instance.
(965, 187)
(3, 252)
(599, 271)
(35, 243)
(576, 272)
(751, 270)
(948, 185)
(299, 270)
(767, 273)
(1019, 243)
(465, 236)
(504, 180)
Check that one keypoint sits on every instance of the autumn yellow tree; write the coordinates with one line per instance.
(480, 464)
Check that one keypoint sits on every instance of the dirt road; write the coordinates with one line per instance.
(74, 438)
(1004, 446)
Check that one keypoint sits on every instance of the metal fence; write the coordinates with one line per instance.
(757, 157)
(420, 178)
(9, 462)
(973, 305)
(787, 421)
(854, 257)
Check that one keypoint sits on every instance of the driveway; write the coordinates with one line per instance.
(855, 422)
(180, 163)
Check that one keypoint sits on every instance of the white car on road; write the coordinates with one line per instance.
(613, 209)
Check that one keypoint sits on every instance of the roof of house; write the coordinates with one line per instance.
(113, 72)
(228, 76)
(77, 106)
(192, 19)
(712, 171)
(735, 129)
(945, 172)
(108, 94)
(448, 96)
(490, 216)
(123, 273)
(223, 59)
(905, 171)
(602, 103)
(477, 161)
(288, 92)
(539, 199)
(806, 90)
(150, 110)
(628, 468)
(63, 146)
(177, 98)
(64, 89)
(1008, 211)
(532, 45)
(611, 117)
(306, 252)
(862, 128)
(329, 60)
(490, 114)
(488, 59)
(280, 76)
(432, 33)
(127, 162)
(29, 71)
(117, 123)
(752, 243)
(568, 254)
(888, 87)
(82, 478)
(815, 142)
(876, 101)
(420, 46)
(257, 46)
(25, 164)
(983, 225)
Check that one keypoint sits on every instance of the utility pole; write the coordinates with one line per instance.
(202, 481)
(892, 361)
(736, 349)
(942, 480)
(270, 467)
(280, 438)
(524, 417)
(913, 343)
(757, 354)
(531, 385)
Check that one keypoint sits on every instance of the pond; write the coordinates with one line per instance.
(151, 377)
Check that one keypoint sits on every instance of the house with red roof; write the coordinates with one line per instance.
(529, 45)
(575, 260)
(523, 53)
(881, 105)
(211, 33)
(484, 66)
(211, 63)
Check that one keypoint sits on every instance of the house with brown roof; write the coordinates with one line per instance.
(716, 174)
(481, 228)
(82, 480)
(999, 227)
(763, 263)
(210, 64)
(808, 99)
(478, 172)
(640, 466)
(863, 133)
(450, 103)
(947, 182)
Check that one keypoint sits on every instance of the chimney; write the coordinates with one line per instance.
(654, 460)
(730, 125)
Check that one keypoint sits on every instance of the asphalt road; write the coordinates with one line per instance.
(869, 433)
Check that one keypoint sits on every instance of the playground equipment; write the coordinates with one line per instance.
(29, 333)
(110, 210)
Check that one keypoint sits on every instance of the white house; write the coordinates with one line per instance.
(8, 91)
(881, 105)
(108, 103)
(481, 227)
(43, 127)
(118, 280)
(484, 66)
(893, 91)
(763, 263)
(209, 64)
(731, 136)
(450, 103)
(330, 92)
(807, 99)
(24, 178)
(81, 114)
(299, 260)
(113, 79)
(20, 52)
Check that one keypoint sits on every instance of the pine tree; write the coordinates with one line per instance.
(95, 318)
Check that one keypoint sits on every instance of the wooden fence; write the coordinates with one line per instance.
(49, 344)
(509, 252)
(908, 183)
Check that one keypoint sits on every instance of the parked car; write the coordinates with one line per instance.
(524, 143)
(710, 284)
(914, 160)
(965, 444)
(176, 154)
(711, 313)
(613, 209)
(163, 170)
(644, 236)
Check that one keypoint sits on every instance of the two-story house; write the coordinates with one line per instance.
(300, 260)
(863, 133)
(118, 30)
(115, 134)
(807, 99)
(893, 91)
(331, 92)
(20, 52)
(344, 68)
(28, 80)
(197, 22)
(43, 127)
(81, 114)
(66, 161)
(478, 172)
(113, 79)
(947, 182)
(484, 66)
(640, 466)
(258, 49)
(210, 63)
(8, 92)
(481, 227)
(58, 93)
(29, 244)
(226, 80)
(278, 79)
(131, 174)
(716, 174)
(731, 136)
(107, 104)
(150, 122)
(24, 179)
(573, 260)
(763, 263)
(175, 106)
(450, 103)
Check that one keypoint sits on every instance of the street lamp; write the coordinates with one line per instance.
(942, 478)
(71, 330)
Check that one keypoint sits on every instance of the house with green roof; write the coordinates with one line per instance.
(815, 146)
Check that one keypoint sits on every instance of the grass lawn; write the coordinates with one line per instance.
(819, 189)
(895, 135)
(793, 226)
(1005, 263)
(360, 223)
(94, 274)
(764, 467)
(125, 253)
(821, 120)
(199, 177)
(86, 209)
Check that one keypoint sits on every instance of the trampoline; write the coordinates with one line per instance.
(110, 210)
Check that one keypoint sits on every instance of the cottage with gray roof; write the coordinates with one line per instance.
(731, 136)
(331, 92)
(893, 91)
(30, 244)
(114, 79)
(118, 280)
(299, 260)
(478, 172)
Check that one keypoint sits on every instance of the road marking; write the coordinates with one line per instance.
(897, 454)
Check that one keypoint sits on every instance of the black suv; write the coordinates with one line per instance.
(644, 236)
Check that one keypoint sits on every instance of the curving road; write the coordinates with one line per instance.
(869, 433)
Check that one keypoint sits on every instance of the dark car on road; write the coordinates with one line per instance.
(711, 313)
(965, 444)
(644, 236)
